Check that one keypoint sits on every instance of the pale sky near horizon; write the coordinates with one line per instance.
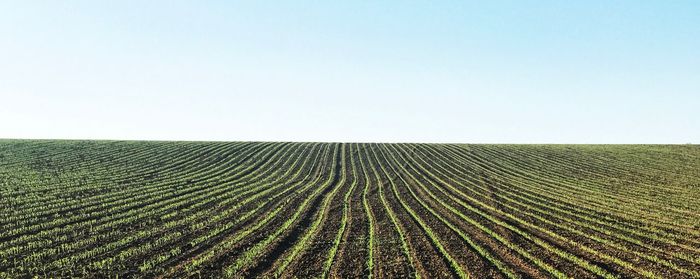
(370, 71)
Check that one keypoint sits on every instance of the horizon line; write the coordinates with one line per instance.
(323, 141)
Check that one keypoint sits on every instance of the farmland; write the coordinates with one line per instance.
(135, 209)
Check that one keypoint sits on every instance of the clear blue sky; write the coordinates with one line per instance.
(406, 71)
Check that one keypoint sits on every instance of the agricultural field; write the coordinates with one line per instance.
(130, 209)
